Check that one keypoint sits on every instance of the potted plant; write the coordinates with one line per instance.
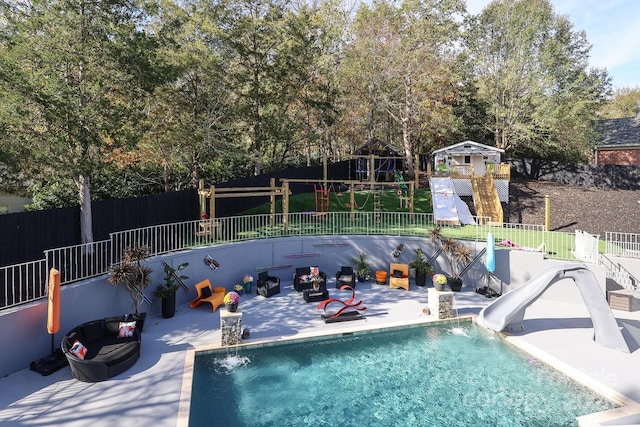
(439, 281)
(248, 281)
(167, 290)
(361, 267)
(458, 256)
(421, 267)
(231, 301)
(136, 276)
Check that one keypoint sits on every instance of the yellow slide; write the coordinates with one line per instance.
(485, 198)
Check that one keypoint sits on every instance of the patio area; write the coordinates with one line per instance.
(155, 390)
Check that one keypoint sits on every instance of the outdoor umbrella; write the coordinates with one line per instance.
(491, 253)
(53, 317)
(56, 360)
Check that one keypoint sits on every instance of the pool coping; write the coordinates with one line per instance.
(628, 407)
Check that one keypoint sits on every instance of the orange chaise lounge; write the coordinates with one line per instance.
(399, 276)
(206, 294)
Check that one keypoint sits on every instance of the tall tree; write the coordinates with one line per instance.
(623, 103)
(188, 116)
(531, 68)
(79, 67)
(401, 62)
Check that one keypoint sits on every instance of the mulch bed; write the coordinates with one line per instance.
(594, 210)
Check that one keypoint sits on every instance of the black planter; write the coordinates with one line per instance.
(455, 284)
(231, 307)
(421, 279)
(169, 306)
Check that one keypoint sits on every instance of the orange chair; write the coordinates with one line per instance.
(401, 270)
(207, 294)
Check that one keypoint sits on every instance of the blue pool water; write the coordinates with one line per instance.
(420, 376)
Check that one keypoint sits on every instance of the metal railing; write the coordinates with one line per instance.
(622, 244)
(27, 282)
(618, 274)
(79, 262)
(22, 283)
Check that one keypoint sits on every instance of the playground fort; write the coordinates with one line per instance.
(464, 169)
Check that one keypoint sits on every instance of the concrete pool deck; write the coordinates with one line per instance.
(557, 329)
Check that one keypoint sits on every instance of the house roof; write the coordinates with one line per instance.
(468, 148)
(620, 133)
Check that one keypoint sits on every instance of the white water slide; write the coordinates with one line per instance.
(448, 207)
(507, 312)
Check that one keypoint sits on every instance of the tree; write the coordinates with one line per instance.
(531, 69)
(189, 123)
(400, 67)
(623, 103)
(79, 69)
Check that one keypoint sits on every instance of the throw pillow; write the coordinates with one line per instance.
(304, 278)
(79, 350)
(205, 292)
(126, 329)
(397, 274)
(315, 271)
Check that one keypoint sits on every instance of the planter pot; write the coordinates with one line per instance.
(421, 279)
(439, 286)
(455, 284)
(362, 278)
(231, 308)
(247, 288)
(169, 306)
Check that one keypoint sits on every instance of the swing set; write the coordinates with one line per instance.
(208, 223)
(322, 188)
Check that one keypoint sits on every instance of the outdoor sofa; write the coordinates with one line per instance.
(101, 349)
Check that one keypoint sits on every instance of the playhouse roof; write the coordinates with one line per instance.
(468, 148)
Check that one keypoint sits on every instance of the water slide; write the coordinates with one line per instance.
(507, 312)
(448, 207)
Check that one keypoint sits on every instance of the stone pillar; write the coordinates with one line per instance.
(440, 303)
(230, 327)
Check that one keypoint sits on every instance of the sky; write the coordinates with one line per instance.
(612, 28)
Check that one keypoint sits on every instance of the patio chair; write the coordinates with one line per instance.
(207, 294)
(268, 285)
(345, 277)
(399, 276)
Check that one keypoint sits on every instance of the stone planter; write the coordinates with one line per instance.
(231, 307)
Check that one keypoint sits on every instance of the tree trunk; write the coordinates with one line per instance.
(86, 224)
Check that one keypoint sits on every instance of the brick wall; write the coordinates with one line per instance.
(618, 157)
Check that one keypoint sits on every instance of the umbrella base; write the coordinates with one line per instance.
(51, 363)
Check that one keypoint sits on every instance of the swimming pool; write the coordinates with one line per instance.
(417, 376)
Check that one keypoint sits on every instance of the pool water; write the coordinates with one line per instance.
(419, 376)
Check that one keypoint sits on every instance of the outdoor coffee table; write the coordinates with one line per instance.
(311, 295)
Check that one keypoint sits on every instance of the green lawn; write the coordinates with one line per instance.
(557, 245)
(339, 202)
